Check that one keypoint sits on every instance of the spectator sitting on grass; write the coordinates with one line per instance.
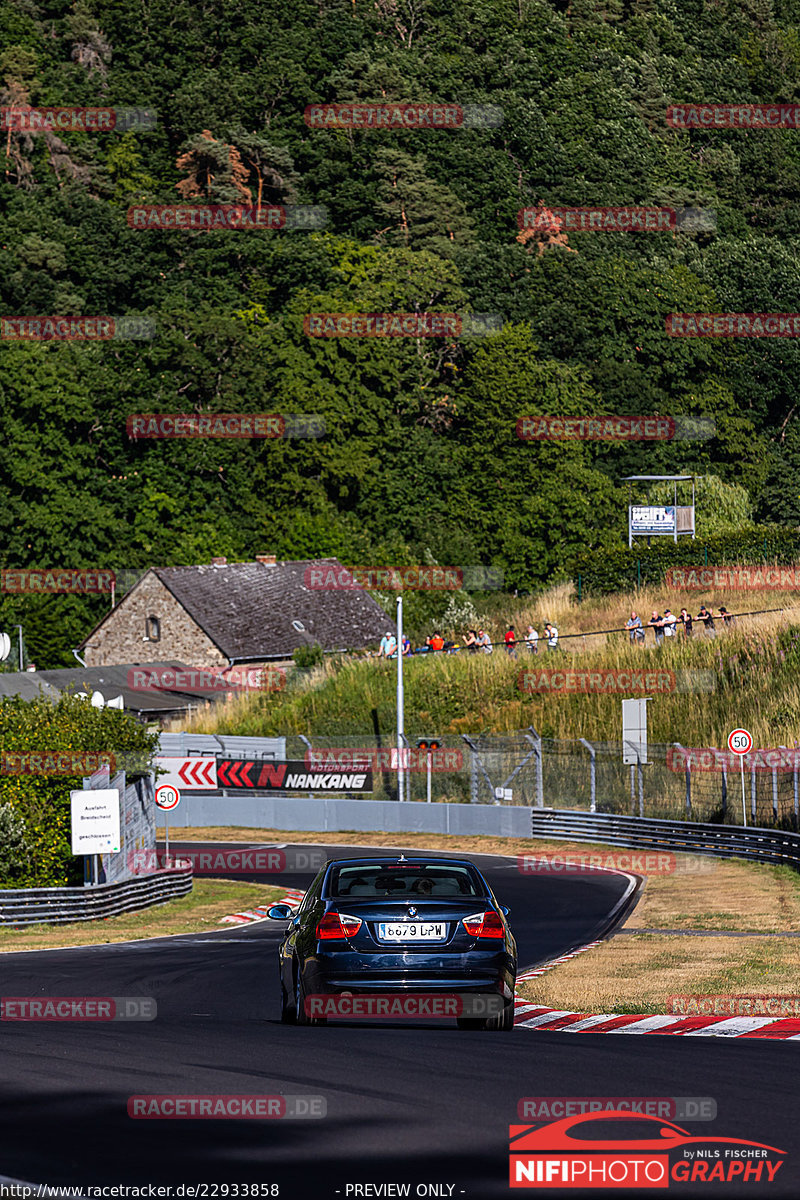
(470, 640)
(436, 642)
(485, 641)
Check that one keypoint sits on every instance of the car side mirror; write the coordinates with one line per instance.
(505, 911)
(280, 912)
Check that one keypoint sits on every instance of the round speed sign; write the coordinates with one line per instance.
(167, 797)
(740, 741)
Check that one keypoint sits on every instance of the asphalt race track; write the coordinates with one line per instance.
(423, 1104)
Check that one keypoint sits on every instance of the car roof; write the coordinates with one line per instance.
(396, 859)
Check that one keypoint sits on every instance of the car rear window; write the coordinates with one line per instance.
(396, 882)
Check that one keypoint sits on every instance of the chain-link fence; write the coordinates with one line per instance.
(521, 768)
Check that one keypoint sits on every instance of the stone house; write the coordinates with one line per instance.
(226, 614)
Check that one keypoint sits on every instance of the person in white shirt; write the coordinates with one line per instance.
(532, 640)
(669, 621)
(552, 635)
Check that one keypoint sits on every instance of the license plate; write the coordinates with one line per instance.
(407, 931)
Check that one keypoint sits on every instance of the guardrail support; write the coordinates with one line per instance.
(688, 775)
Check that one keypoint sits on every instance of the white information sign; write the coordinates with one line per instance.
(634, 731)
(95, 821)
(648, 518)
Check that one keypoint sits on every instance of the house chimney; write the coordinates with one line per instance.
(269, 559)
(219, 562)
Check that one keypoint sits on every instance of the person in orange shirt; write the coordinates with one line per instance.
(437, 641)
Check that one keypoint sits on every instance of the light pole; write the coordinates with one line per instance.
(19, 627)
(400, 701)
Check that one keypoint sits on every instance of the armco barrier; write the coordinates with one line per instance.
(364, 816)
(59, 906)
(645, 833)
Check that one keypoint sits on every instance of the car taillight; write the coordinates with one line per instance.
(337, 925)
(485, 924)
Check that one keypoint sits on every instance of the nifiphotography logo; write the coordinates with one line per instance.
(623, 1149)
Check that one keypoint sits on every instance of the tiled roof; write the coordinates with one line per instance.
(249, 610)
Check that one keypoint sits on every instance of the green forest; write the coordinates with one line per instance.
(420, 459)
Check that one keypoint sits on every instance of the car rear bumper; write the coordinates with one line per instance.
(473, 973)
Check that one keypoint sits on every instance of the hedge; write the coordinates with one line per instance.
(623, 569)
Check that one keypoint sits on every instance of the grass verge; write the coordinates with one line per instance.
(637, 971)
(208, 901)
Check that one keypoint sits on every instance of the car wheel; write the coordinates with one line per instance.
(288, 1011)
(301, 1016)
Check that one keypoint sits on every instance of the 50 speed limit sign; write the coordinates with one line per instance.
(167, 797)
(740, 741)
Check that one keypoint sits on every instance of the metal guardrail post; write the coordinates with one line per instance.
(724, 792)
(592, 774)
(640, 773)
(775, 794)
(753, 792)
(535, 737)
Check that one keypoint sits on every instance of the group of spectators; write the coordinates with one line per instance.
(475, 641)
(666, 626)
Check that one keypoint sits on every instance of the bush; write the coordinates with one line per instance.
(14, 848)
(306, 657)
(41, 803)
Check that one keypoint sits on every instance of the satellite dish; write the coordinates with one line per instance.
(117, 702)
(98, 700)
(5, 646)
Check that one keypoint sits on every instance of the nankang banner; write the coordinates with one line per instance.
(290, 776)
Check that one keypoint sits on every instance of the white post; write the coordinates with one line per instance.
(429, 777)
(744, 807)
(400, 702)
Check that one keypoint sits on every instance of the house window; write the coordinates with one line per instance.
(153, 629)
(299, 626)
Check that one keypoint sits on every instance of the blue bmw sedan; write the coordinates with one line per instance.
(398, 937)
